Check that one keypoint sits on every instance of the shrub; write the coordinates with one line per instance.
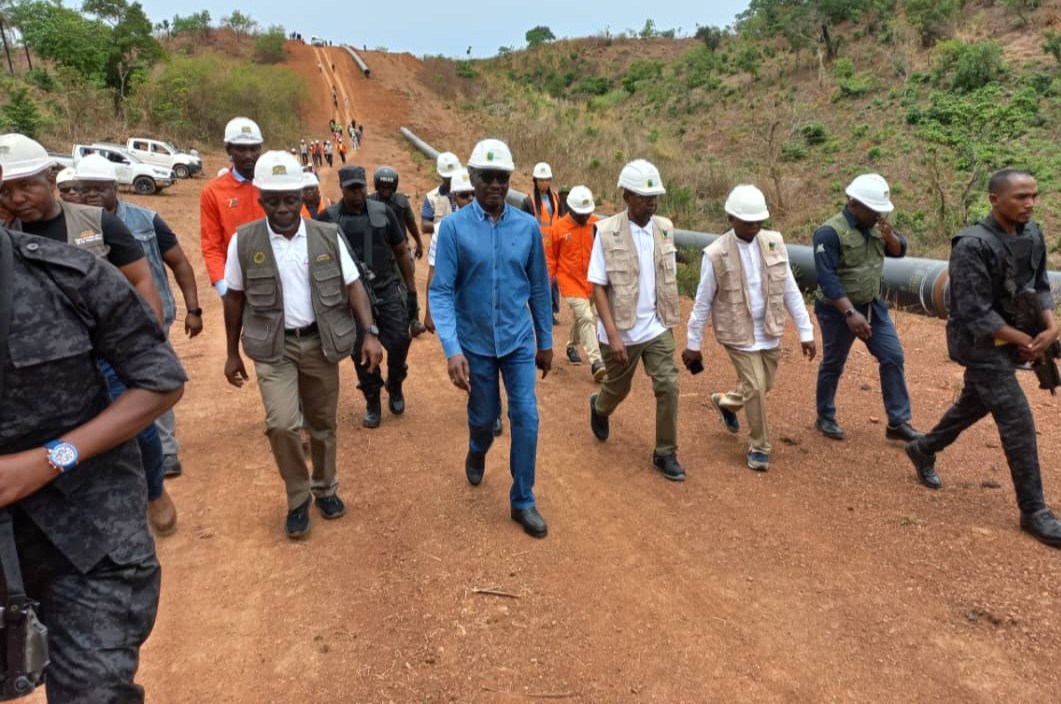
(813, 133)
(965, 66)
(843, 69)
(592, 85)
(466, 70)
(21, 114)
(1052, 44)
(642, 70)
(269, 47)
(793, 151)
(933, 19)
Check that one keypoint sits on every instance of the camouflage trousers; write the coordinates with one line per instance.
(996, 391)
(96, 621)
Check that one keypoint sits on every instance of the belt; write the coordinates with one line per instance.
(310, 329)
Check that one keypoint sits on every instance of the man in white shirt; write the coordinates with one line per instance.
(634, 271)
(291, 288)
(746, 284)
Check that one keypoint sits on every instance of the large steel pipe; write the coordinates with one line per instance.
(357, 60)
(911, 283)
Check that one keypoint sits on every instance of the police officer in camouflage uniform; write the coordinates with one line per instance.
(992, 262)
(386, 182)
(69, 470)
(377, 240)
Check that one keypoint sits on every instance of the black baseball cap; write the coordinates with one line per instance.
(352, 176)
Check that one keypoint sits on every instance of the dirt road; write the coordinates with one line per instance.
(833, 577)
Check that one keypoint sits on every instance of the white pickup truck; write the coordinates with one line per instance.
(144, 179)
(159, 153)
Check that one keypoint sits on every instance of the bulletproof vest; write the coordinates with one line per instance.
(861, 261)
(84, 227)
(1009, 274)
(263, 314)
(141, 222)
(361, 233)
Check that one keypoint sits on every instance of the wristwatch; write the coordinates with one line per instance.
(195, 311)
(61, 455)
(849, 312)
(372, 330)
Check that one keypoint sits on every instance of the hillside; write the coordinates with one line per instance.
(934, 117)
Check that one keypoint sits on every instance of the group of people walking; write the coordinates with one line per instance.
(85, 367)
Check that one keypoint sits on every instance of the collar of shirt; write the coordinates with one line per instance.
(301, 232)
(483, 215)
(237, 175)
(636, 229)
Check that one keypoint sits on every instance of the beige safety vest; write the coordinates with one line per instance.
(624, 271)
(263, 314)
(440, 203)
(731, 312)
(84, 227)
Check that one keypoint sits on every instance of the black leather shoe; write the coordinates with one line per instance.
(1043, 526)
(597, 423)
(373, 413)
(903, 431)
(499, 427)
(474, 466)
(297, 523)
(924, 464)
(396, 400)
(829, 429)
(331, 507)
(171, 468)
(668, 465)
(532, 521)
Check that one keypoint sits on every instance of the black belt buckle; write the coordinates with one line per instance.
(310, 329)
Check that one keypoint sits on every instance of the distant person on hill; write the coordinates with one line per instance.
(746, 285)
(329, 152)
(849, 253)
(303, 150)
(998, 270)
(341, 149)
(568, 246)
(491, 308)
(633, 269)
(230, 200)
(544, 205)
(439, 202)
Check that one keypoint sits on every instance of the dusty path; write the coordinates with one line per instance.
(834, 577)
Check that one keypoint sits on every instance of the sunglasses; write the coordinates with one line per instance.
(464, 196)
(68, 189)
(501, 177)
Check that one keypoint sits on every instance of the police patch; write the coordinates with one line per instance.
(259, 257)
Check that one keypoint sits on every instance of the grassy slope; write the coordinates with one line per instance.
(735, 128)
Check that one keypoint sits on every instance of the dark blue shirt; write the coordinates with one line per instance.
(827, 256)
(491, 285)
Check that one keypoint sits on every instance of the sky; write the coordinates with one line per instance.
(426, 27)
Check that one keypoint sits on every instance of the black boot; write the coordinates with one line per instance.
(1043, 526)
(395, 399)
(373, 411)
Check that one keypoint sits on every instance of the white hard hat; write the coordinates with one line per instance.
(67, 175)
(447, 164)
(94, 167)
(641, 177)
(461, 182)
(871, 190)
(491, 154)
(243, 130)
(278, 171)
(747, 203)
(309, 179)
(22, 157)
(580, 200)
(542, 170)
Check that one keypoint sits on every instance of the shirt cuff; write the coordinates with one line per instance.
(451, 348)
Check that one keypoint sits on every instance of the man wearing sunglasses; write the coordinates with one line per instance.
(66, 184)
(492, 309)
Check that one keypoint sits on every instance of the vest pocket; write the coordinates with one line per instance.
(261, 288)
(328, 280)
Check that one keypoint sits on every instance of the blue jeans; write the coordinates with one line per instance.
(149, 441)
(883, 344)
(484, 407)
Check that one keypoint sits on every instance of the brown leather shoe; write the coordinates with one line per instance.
(162, 515)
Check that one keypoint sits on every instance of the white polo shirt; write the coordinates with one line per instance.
(292, 261)
(647, 325)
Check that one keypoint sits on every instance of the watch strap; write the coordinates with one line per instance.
(195, 311)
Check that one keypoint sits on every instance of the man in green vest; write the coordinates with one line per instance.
(849, 252)
(291, 288)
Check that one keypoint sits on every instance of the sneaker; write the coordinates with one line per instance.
(297, 523)
(600, 372)
(759, 461)
(597, 423)
(331, 506)
(573, 356)
(668, 465)
(729, 418)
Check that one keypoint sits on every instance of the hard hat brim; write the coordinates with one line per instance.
(877, 206)
(15, 173)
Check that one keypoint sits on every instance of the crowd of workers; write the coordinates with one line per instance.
(86, 369)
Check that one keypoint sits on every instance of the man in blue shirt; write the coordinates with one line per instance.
(849, 253)
(492, 310)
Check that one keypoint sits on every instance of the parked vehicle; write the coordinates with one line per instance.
(144, 179)
(63, 160)
(159, 153)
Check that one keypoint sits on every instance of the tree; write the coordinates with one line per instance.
(131, 45)
(239, 23)
(20, 114)
(269, 47)
(804, 23)
(538, 36)
(164, 28)
(64, 36)
(649, 30)
(197, 24)
(710, 36)
(1021, 7)
(933, 19)
(1052, 44)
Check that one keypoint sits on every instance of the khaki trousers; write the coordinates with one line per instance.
(658, 356)
(304, 373)
(584, 327)
(755, 377)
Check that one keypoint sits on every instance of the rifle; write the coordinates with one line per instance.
(1027, 317)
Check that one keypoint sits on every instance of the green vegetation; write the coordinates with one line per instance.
(538, 36)
(269, 47)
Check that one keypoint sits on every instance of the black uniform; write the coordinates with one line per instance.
(372, 236)
(82, 540)
(985, 265)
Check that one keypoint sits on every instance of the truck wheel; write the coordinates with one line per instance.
(182, 171)
(144, 186)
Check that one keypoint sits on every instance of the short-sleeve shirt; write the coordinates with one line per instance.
(124, 249)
